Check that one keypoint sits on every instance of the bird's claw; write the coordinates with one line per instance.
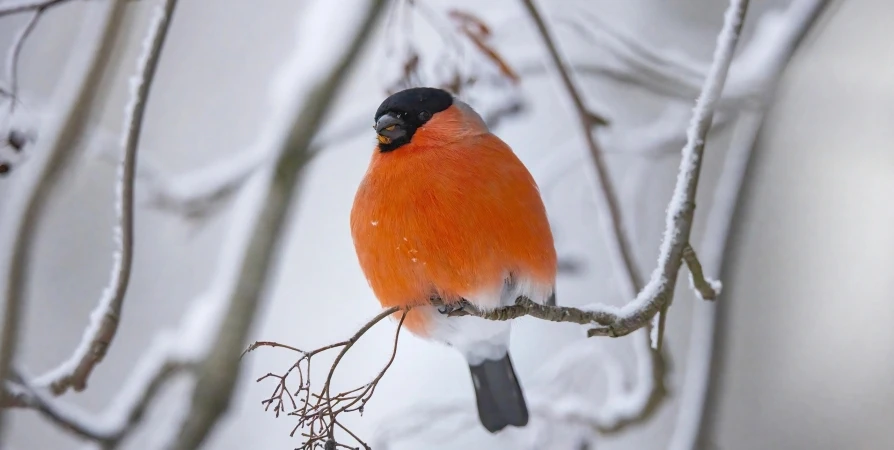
(455, 309)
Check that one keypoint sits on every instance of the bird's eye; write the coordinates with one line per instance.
(390, 128)
(424, 116)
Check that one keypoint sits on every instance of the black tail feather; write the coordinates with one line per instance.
(500, 399)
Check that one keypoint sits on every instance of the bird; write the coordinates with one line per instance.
(447, 211)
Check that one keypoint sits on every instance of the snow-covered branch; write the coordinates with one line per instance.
(29, 194)
(779, 33)
(657, 295)
(104, 319)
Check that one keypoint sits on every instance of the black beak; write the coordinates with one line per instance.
(390, 127)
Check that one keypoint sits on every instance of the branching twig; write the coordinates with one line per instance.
(104, 320)
(318, 413)
(682, 207)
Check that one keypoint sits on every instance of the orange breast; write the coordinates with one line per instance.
(450, 220)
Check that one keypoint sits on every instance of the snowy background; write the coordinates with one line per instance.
(804, 336)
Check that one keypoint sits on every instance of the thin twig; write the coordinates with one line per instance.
(20, 6)
(606, 197)
(683, 203)
(706, 288)
(219, 372)
(320, 418)
(12, 62)
(75, 372)
(77, 91)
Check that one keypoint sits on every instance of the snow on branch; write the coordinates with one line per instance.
(116, 423)
(100, 332)
(657, 295)
(776, 38)
(33, 186)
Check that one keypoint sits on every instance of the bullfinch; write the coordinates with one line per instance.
(447, 211)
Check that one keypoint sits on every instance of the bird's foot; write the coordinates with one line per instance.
(455, 309)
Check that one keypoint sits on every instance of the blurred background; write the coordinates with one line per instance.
(794, 354)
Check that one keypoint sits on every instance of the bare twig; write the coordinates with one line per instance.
(318, 413)
(105, 318)
(12, 62)
(20, 6)
(22, 212)
(606, 197)
(320, 417)
(706, 288)
(220, 370)
(37, 8)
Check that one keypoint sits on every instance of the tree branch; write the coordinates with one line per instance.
(119, 419)
(608, 208)
(681, 209)
(105, 318)
(778, 36)
(21, 214)
(220, 370)
(657, 295)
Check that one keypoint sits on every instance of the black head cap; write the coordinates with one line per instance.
(401, 114)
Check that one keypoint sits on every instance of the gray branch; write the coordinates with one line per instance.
(75, 372)
(22, 213)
